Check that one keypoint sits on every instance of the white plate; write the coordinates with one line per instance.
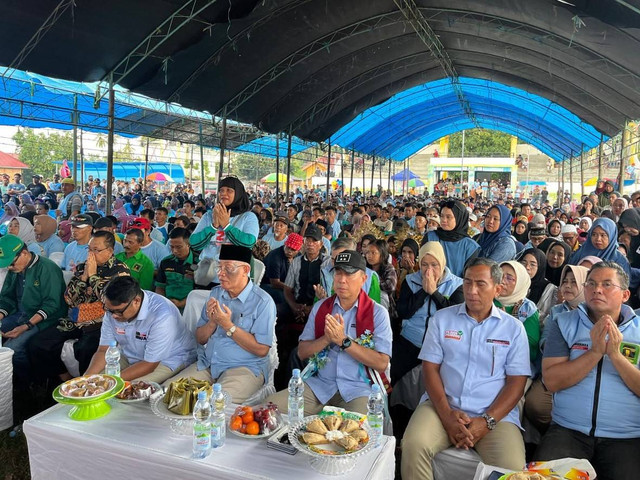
(160, 408)
(112, 381)
(156, 388)
(256, 437)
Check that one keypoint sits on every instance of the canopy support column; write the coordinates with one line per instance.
(600, 158)
(75, 142)
(380, 174)
(328, 170)
(353, 161)
(112, 103)
(146, 163)
(364, 178)
(286, 199)
(559, 183)
(563, 186)
(82, 157)
(404, 177)
(223, 143)
(201, 159)
(622, 168)
(342, 172)
(581, 172)
(389, 176)
(373, 171)
(571, 175)
(277, 171)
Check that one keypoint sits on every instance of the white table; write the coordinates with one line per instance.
(132, 442)
(6, 388)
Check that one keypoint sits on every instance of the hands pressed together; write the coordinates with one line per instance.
(334, 328)
(606, 337)
(219, 314)
(464, 431)
(220, 216)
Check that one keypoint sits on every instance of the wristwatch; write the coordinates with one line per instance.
(346, 343)
(491, 422)
(231, 331)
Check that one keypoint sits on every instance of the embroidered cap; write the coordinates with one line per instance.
(350, 261)
(10, 246)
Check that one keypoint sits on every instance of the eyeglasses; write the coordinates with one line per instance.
(120, 311)
(606, 285)
(509, 278)
(96, 251)
(228, 269)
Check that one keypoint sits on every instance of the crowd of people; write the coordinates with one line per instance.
(518, 314)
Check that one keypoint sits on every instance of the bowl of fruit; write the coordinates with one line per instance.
(260, 421)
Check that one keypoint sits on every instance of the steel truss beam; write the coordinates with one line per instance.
(181, 17)
(35, 39)
(413, 14)
(319, 45)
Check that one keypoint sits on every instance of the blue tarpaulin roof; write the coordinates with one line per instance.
(266, 146)
(404, 124)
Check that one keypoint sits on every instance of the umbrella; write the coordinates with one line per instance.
(160, 177)
(591, 182)
(404, 175)
(532, 182)
(416, 182)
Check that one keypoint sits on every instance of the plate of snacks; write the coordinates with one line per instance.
(260, 421)
(528, 476)
(137, 391)
(88, 387)
(333, 440)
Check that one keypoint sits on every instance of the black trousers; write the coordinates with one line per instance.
(46, 347)
(612, 458)
(404, 358)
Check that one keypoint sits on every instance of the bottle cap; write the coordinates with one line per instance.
(202, 395)
(217, 387)
(296, 372)
(113, 343)
(375, 388)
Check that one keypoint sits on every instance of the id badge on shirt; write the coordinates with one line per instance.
(630, 351)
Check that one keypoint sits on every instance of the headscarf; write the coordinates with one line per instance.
(135, 206)
(581, 276)
(48, 226)
(25, 199)
(10, 212)
(412, 244)
(461, 215)
(590, 258)
(436, 251)
(539, 281)
(608, 253)
(504, 230)
(26, 233)
(631, 218)
(523, 282)
(119, 211)
(553, 274)
(588, 220)
(241, 203)
(523, 238)
(28, 215)
(559, 236)
(64, 231)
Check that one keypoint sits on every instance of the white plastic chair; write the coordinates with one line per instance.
(196, 301)
(57, 258)
(268, 388)
(258, 271)
(68, 357)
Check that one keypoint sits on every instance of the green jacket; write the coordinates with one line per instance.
(43, 292)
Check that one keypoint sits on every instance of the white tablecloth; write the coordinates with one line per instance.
(6, 388)
(132, 442)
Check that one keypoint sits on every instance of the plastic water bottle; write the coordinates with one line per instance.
(296, 398)
(218, 419)
(201, 427)
(375, 414)
(112, 357)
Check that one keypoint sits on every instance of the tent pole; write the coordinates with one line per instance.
(389, 179)
(364, 178)
(328, 170)
(286, 199)
(112, 102)
(191, 168)
(380, 174)
(342, 171)
(600, 157)
(82, 157)
(201, 160)
(571, 175)
(622, 147)
(373, 171)
(146, 162)
(223, 138)
(559, 184)
(75, 141)
(353, 161)
(581, 172)
(277, 171)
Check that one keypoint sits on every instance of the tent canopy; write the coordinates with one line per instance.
(404, 175)
(311, 67)
(127, 170)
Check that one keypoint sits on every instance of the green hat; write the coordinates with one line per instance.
(10, 246)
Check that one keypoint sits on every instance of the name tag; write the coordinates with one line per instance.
(579, 346)
(498, 343)
(141, 336)
(120, 331)
(453, 334)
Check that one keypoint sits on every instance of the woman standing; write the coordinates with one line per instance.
(230, 222)
(630, 221)
(452, 235)
(422, 293)
(496, 242)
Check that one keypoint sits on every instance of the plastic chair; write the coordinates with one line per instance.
(257, 272)
(57, 258)
(196, 301)
(268, 388)
(68, 357)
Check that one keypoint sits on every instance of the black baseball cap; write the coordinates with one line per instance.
(81, 220)
(350, 261)
(313, 232)
(104, 222)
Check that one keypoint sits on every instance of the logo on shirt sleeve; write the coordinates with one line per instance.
(453, 334)
(579, 346)
(630, 351)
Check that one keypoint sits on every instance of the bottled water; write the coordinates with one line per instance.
(218, 419)
(296, 398)
(201, 427)
(112, 357)
(375, 414)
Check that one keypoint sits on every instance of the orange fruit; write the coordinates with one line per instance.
(243, 428)
(253, 428)
(247, 416)
(236, 423)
